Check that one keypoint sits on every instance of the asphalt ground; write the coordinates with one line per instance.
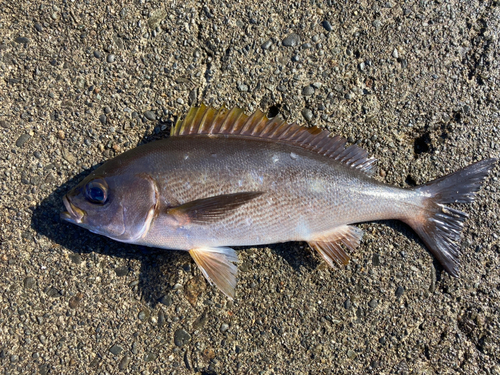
(415, 83)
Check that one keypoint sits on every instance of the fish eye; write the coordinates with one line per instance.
(96, 191)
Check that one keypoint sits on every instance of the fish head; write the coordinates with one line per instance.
(113, 202)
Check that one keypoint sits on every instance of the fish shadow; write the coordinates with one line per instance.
(301, 258)
(158, 267)
(298, 255)
(407, 231)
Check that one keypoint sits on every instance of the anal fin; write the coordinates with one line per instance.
(328, 244)
(218, 266)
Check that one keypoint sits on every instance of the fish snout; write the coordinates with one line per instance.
(72, 214)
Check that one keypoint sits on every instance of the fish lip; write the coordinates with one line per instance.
(72, 214)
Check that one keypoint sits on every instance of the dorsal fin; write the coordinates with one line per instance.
(210, 121)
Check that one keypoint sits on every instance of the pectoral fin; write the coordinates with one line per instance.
(218, 265)
(329, 244)
(208, 210)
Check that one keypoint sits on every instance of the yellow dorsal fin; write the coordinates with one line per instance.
(205, 120)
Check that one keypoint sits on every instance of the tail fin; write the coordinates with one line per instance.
(439, 226)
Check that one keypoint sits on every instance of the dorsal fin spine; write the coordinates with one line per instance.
(226, 124)
(252, 121)
(192, 124)
(289, 132)
(214, 127)
(273, 132)
(204, 118)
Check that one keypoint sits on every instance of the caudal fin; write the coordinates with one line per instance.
(439, 226)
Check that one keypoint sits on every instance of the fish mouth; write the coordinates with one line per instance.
(72, 214)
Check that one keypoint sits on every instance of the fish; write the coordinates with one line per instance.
(226, 179)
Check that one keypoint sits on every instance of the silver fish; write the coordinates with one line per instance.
(227, 179)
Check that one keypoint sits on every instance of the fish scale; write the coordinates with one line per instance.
(227, 179)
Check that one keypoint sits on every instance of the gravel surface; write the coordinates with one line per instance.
(416, 83)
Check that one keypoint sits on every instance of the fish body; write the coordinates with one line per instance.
(303, 193)
(226, 179)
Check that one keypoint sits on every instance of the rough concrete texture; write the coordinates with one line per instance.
(416, 83)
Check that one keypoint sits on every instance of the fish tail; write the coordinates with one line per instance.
(439, 226)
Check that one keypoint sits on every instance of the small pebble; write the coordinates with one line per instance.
(75, 300)
(308, 90)
(291, 40)
(161, 318)
(242, 88)
(266, 45)
(395, 53)
(60, 134)
(224, 327)
(22, 140)
(76, 258)
(377, 24)
(181, 337)
(97, 54)
(399, 291)
(307, 113)
(116, 349)
(143, 315)
(124, 362)
(29, 282)
(111, 58)
(150, 115)
(373, 303)
(193, 94)
(135, 348)
(103, 119)
(326, 25)
(347, 304)
(38, 27)
(200, 321)
(4, 124)
(166, 300)
(107, 110)
(150, 357)
(22, 40)
(121, 271)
